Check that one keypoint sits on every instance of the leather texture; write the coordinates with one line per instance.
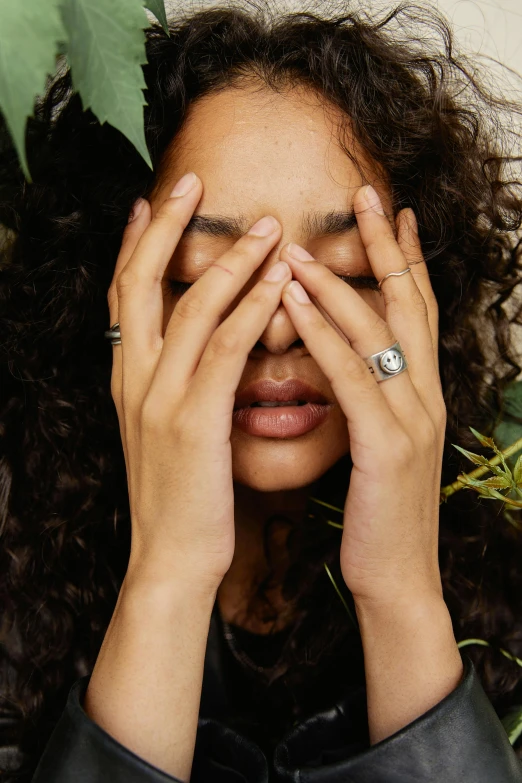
(460, 740)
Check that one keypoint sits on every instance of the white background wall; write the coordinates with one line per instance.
(492, 27)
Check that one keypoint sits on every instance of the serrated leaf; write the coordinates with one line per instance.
(477, 459)
(497, 482)
(484, 440)
(157, 7)
(30, 31)
(512, 723)
(498, 495)
(106, 49)
(486, 491)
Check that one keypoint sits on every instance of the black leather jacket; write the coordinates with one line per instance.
(460, 740)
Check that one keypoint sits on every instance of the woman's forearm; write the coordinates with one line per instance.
(411, 660)
(145, 688)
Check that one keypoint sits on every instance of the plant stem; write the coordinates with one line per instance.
(450, 489)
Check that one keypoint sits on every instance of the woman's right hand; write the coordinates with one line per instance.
(175, 393)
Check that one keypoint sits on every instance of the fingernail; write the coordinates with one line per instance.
(373, 200)
(298, 293)
(184, 185)
(136, 209)
(277, 272)
(264, 227)
(299, 253)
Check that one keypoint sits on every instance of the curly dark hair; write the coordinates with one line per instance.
(445, 140)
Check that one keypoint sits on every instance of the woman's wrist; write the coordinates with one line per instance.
(165, 573)
(411, 658)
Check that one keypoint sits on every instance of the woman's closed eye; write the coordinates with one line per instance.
(177, 287)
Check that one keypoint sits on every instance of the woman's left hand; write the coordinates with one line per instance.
(396, 427)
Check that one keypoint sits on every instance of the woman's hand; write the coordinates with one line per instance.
(389, 548)
(174, 393)
(396, 427)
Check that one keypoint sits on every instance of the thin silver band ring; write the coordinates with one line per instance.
(394, 274)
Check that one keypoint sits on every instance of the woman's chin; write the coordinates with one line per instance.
(283, 464)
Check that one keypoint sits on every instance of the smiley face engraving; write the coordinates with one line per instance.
(391, 362)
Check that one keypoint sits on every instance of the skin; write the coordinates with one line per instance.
(252, 136)
(259, 154)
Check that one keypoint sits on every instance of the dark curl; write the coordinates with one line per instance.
(446, 144)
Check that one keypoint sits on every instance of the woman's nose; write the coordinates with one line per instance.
(280, 335)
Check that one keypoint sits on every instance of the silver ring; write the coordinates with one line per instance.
(396, 274)
(388, 363)
(113, 334)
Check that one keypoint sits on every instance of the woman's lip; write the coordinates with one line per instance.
(269, 390)
(287, 421)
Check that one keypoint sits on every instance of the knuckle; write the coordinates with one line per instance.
(320, 325)
(125, 280)
(172, 211)
(440, 417)
(116, 391)
(427, 432)
(189, 306)
(380, 330)
(381, 243)
(355, 369)
(404, 448)
(152, 416)
(418, 302)
(224, 343)
(260, 295)
(112, 295)
(247, 245)
(168, 209)
(238, 251)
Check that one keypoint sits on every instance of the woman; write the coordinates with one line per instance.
(168, 614)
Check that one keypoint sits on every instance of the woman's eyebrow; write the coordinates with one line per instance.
(314, 224)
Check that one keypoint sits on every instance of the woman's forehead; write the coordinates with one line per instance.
(255, 148)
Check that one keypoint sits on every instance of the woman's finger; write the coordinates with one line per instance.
(363, 401)
(347, 312)
(409, 242)
(198, 313)
(140, 290)
(406, 309)
(139, 219)
(226, 353)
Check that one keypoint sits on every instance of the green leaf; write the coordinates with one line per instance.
(497, 482)
(157, 7)
(492, 493)
(106, 49)
(484, 440)
(512, 723)
(30, 31)
(477, 459)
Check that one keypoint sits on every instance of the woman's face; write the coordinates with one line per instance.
(261, 153)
